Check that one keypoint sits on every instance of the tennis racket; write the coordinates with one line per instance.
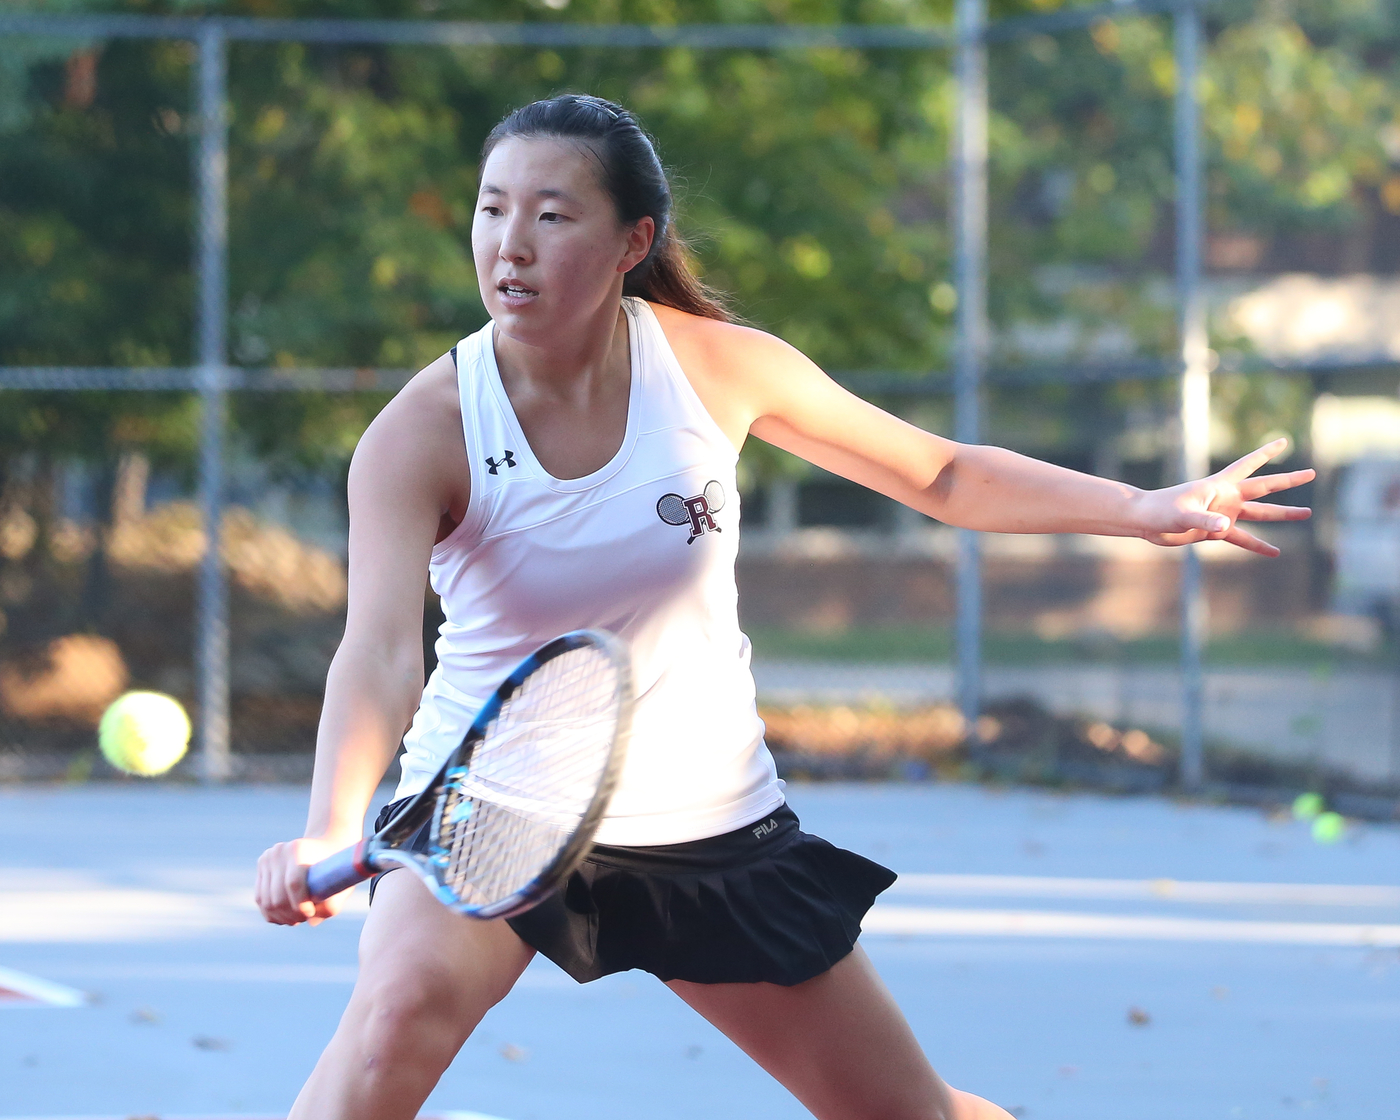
(514, 808)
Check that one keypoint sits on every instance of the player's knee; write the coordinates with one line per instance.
(947, 1104)
(965, 1106)
(411, 1017)
(921, 1110)
(897, 1103)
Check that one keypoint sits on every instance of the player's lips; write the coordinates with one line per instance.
(512, 289)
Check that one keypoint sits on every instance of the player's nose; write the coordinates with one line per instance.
(515, 246)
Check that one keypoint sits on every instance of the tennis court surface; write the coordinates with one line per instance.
(1073, 957)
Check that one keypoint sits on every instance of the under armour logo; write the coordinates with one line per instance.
(697, 512)
(507, 459)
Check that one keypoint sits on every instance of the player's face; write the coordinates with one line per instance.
(550, 251)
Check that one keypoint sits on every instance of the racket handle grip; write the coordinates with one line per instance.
(338, 872)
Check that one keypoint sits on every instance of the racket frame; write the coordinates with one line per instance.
(384, 849)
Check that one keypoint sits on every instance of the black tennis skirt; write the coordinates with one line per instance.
(764, 903)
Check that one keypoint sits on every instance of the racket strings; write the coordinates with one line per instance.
(531, 781)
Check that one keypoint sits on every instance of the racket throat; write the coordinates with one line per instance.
(363, 859)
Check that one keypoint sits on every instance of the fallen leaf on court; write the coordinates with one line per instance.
(1220, 991)
(694, 1051)
(1138, 1017)
(512, 1053)
(204, 1042)
(1068, 1071)
(145, 1015)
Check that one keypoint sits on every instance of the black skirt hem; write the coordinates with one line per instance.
(779, 909)
(765, 903)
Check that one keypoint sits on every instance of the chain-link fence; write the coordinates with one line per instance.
(107, 579)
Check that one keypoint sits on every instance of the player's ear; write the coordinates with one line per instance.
(639, 238)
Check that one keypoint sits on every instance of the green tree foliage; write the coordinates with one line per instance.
(813, 187)
(93, 250)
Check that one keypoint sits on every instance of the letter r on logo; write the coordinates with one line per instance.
(701, 519)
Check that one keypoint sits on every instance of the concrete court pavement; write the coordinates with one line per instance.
(1247, 1006)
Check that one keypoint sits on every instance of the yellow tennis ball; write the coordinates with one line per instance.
(1307, 806)
(1328, 828)
(144, 733)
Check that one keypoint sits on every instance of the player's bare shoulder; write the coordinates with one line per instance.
(732, 367)
(416, 442)
(716, 349)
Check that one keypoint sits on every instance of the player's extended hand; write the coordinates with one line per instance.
(1209, 509)
(281, 888)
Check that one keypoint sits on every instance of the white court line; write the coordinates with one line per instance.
(34, 992)
(938, 922)
(1170, 890)
(119, 914)
(130, 914)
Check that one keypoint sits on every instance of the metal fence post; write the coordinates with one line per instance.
(1195, 379)
(970, 281)
(211, 329)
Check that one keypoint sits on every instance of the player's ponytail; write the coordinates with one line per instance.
(633, 175)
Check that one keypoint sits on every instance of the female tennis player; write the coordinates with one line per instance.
(572, 465)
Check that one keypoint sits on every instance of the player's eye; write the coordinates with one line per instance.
(551, 216)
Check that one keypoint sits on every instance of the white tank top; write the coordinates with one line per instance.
(644, 547)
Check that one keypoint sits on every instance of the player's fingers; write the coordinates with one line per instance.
(1202, 520)
(266, 892)
(1268, 511)
(1177, 540)
(294, 884)
(269, 889)
(327, 907)
(265, 895)
(1246, 465)
(1273, 483)
(1250, 542)
(278, 905)
(330, 907)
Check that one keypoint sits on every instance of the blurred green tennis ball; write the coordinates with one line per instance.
(144, 733)
(1328, 828)
(1307, 806)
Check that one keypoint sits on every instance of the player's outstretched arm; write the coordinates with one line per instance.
(756, 384)
(408, 471)
(998, 490)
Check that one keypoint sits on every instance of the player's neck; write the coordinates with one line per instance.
(577, 364)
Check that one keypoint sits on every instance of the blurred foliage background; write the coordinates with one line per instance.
(813, 185)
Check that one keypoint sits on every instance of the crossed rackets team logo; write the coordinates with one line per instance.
(697, 512)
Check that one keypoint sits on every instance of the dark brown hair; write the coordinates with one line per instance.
(634, 177)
